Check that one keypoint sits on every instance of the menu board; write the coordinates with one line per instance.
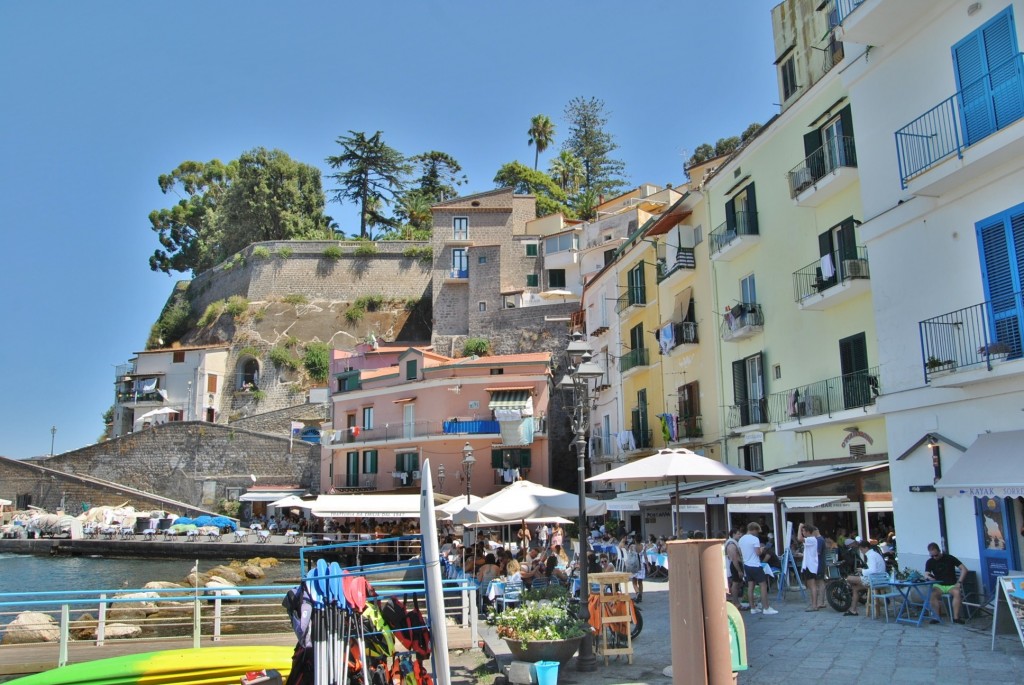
(1013, 591)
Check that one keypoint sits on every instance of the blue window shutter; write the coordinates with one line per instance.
(975, 102)
(1001, 243)
(991, 92)
(1004, 77)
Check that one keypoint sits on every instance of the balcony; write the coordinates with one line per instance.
(457, 276)
(131, 398)
(849, 278)
(458, 238)
(689, 429)
(880, 22)
(825, 398)
(824, 173)
(685, 261)
(643, 439)
(747, 414)
(683, 333)
(636, 297)
(743, 321)
(634, 358)
(981, 338)
(975, 125)
(733, 238)
(400, 431)
(350, 483)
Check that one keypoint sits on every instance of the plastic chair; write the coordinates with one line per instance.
(879, 589)
(511, 596)
(964, 592)
(540, 582)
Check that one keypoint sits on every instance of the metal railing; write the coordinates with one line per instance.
(133, 397)
(974, 336)
(458, 273)
(845, 7)
(642, 438)
(811, 279)
(745, 224)
(976, 111)
(685, 259)
(634, 358)
(824, 398)
(690, 427)
(748, 413)
(747, 315)
(823, 161)
(634, 296)
(414, 429)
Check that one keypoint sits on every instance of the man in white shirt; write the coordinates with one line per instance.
(812, 567)
(750, 549)
(542, 535)
(875, 564)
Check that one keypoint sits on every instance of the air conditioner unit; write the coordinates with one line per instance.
(415, 475)
(800, 180)
(856, 268)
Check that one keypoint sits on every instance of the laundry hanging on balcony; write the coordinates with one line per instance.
(513, 410)
(828, 269)
(666, 338)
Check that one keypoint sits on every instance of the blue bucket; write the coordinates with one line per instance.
(547, 672)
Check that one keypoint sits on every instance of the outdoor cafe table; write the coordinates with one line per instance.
(916, 595)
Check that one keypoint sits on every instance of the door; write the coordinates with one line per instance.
(755, 389)
(408, 420)
(352, 470)
(689, 410)
(853, 364)
(832, 144)
(641, 425)
(997, 538)
(988, 79)
(460, 263)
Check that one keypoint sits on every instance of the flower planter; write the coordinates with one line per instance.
(942, 370)
(544, 650)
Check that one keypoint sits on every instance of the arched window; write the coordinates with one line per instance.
(249, 374)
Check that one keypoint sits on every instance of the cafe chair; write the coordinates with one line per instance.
(511, 596)
(880, 590)
(970, 598)
(540, 582)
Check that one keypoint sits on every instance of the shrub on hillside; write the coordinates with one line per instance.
(317, 360)
(332, 252)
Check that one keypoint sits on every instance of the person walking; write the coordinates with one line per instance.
(811, 566)
(542, 535)
(557, 535)
(525, 536)
(750, 548)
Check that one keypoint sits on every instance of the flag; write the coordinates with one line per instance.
(297, 427)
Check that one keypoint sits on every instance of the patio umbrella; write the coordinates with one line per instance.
(677, 464)
(156, 412)
(526, 500)
(292, 501)
(453, 506)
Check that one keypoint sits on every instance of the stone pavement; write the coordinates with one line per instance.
(821, 646)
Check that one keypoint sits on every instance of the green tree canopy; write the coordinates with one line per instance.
(542, 134)
(523, 179)
(413, 210)
(592, 145)
(439, 174)
(722, 146)
(369, 173)
(567, 171)
(263, 195)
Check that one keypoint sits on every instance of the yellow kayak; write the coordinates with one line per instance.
(207, 666)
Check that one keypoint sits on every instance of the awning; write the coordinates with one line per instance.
(267, 495)
(682, 305)
(811, 502)
(989, 468)
(403, 400)
(509, 399)
(367, 506)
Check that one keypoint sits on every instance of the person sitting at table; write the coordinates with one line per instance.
(551, 571)
(874, 563)
(942, 567)
(559, 553)
(605, 565)
(488, 571)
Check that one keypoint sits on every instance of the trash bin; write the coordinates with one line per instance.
(547, 672)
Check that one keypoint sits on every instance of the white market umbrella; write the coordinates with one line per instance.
(291, 501)
(526, 500)
(677, 464)
(5, 502)
(453, 506)
(156, 412)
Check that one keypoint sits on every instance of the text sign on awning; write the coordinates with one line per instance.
(922, 488)
(623, 505)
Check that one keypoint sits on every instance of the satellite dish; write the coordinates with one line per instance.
(253, 477)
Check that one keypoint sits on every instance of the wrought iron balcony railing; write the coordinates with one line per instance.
(819, 276)
(748, 413)
(634, 296)
(742, 321)
(973, 337)
(685, 259)
(634, 358)
(744, 224)
(824, 398)
(414, 429)
(841, 152)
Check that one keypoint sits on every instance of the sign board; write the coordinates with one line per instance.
(922, 488)
(689, 508)
(716, 500)
(1011, 588)
(751, 438)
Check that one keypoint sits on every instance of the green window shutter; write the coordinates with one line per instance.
(525, 459)
(531, 249)
(531, 280)
(496, 459)
(370, 461)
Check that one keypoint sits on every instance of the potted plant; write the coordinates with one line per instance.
(996, 351)
(938, 366)
(541, 630)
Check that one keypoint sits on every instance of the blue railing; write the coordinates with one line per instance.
(458, 273)
(976, 111)
(472, 427)
(846, 7)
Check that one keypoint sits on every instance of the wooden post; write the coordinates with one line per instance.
(686, 608)
(716, 619)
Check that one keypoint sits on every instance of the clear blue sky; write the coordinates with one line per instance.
(99, 98)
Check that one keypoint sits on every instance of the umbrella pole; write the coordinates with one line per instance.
(675, 512)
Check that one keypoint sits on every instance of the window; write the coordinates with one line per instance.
(641, 428)
(407, 461)
(410, 370)
(788, 70)
(352, 470)
(497, 372)
(531, 249)
(481, 306)
(988, 79)
(636, 337)
(748, 388)
(482, 259)
(460, 228)
(689, 410)
(178, 357)
(698, 235)
(211, 383)
(531, 280)
(777, 372)
(741, 212)
(518, 458)
(748, 290)
(560, 243)
(556, 278)
(637, 292)
(460, 263)
(367, 418)
(853, 364)
(752, 457)
(609, 257)
(369, 461)
(348, 381)
(837, 247)
(1001, 244)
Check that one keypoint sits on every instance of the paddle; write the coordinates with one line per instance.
(324, 590)
(355, 596)
(316, 627)
(337, 606)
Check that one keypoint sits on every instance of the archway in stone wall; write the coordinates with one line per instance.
(247, 375)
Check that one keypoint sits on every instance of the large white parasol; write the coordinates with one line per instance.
(526, 500)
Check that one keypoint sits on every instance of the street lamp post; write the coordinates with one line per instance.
(441, 474)
(53, 436)
(581, 370)
(467, 466)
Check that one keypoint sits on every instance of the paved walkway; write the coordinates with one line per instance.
(843, 650)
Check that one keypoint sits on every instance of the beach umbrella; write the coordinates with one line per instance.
(292, 501)
(526, 500)
(453, 506)
(678, 465)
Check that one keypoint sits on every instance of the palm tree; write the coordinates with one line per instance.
(542, 134)
(567, 171)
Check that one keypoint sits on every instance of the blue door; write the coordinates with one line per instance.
(997, 539)
(988, 78)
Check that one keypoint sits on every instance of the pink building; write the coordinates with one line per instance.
(387, 420)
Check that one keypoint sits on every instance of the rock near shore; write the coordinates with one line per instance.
(31, 626)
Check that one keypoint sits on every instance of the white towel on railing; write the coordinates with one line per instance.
(828, 269)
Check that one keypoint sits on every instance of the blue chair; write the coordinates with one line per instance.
(879, 589)
(540, 582)
(511, 596)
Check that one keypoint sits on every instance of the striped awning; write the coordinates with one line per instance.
(510, 399)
